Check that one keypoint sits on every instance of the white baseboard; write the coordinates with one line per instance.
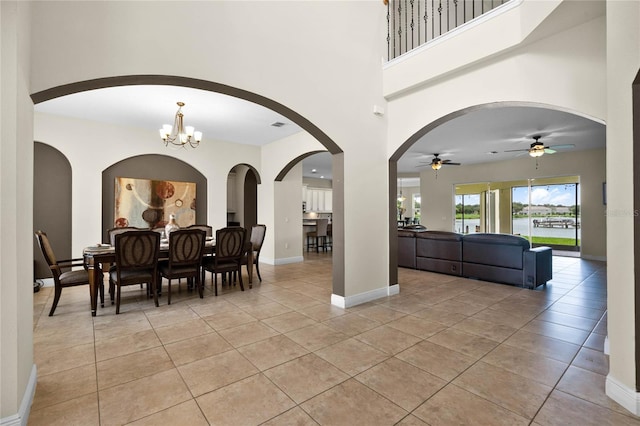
(281, 261)
(368, 296)
(623, 395)
(45, 282)
(21, 418)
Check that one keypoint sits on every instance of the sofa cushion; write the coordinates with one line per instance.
(439, 245)
(501, 250)
(406, 249)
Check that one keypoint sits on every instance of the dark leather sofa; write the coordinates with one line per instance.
(499, 258)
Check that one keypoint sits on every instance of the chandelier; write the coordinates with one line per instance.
(180, 135)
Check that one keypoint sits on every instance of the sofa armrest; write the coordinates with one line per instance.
(538, 266)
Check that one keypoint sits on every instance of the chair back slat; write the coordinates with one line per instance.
(137, 249)
(186, 246)
(115, 231)
(206, 228)
(230, 243)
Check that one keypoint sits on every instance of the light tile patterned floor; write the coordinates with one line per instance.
(444, 351)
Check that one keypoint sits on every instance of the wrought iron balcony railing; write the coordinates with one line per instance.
(412, 23)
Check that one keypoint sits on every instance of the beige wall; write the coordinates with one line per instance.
(317, 74)
(319, 77)
(91, 147)
(17, 370)
(623, 63)
(588, 165)
(284, 246)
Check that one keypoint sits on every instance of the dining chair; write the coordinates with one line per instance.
(111, 233)
(63, 275)
(318, 238)
(185, 258)
(230, 247)
(256, 240)
(206, 228)
(136, 254)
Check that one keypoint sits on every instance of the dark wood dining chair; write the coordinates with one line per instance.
(136, 262)
(185, 258)
(206, 228)
(63, 275)
(230, 247)
(111, 234)
(256, 240)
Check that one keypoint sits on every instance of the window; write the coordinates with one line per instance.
(547, 214)
(416, 208)
(467, 213)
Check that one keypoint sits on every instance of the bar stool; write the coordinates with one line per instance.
(318, 238)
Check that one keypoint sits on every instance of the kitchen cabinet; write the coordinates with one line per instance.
(317, 199)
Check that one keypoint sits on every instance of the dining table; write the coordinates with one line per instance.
(96, 256)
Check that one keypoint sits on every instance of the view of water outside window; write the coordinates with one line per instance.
(553, 218)
(467, 213)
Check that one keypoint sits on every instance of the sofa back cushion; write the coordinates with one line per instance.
(501, 250)
(439, 245)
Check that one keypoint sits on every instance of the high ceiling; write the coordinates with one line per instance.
(480, 136)
(486, 135)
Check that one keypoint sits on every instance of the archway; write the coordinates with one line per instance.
(494, 129)
(337, 219)
(242, 196)
(304, 123)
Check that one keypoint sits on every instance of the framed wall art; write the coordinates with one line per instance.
(147, 203)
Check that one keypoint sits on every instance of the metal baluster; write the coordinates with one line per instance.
(406, 28)
(388, 34)
(412, 23)
(448, 19)
(418, 16)
(400, 26)
(440, 17)
(455, 8)
(433, 21)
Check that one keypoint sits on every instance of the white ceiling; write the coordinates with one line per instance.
(218, 116)
(484, 135)
(477, 137)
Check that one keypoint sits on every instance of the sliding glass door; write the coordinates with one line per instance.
(468, 213)
(547, 214)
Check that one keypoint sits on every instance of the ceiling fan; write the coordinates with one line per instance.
(537, 148)
(437, 162)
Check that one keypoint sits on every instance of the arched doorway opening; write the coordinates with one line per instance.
(491, 143)
(302, 122)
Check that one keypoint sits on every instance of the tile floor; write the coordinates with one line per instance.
(444, 351)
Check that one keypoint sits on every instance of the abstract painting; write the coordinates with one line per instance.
(147, 203)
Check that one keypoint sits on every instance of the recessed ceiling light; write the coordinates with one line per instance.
(321, 177)
(278, 124)
(314, 171)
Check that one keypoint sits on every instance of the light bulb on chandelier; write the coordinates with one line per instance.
(180, 135)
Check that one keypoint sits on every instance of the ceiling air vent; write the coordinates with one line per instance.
(277, 124)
